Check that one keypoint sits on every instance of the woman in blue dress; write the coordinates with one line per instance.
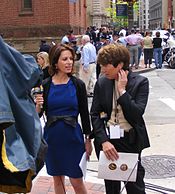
(64, 98)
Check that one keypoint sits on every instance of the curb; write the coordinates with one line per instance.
(144, 70)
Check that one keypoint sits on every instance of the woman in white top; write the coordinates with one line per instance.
(147, 49)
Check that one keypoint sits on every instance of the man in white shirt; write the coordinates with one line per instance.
(65, 39)
(88, 64)
(123, 31)
(133, 40)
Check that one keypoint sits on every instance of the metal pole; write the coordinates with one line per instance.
(130, 15)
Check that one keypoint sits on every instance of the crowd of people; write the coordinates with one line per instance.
(138, 43)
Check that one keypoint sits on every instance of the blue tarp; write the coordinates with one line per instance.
(20, 128)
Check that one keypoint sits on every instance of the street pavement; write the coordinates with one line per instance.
(43, 183)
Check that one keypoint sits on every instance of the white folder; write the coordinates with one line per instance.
(123, 169)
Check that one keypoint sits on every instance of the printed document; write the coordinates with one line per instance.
(123, 169)
(83, 164)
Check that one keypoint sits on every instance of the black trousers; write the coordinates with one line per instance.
(114, 187)
(148, 55)
(98, 70)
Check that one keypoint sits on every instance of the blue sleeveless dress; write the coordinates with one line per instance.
(65, 143)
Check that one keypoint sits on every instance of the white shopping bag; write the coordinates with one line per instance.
(123, 169)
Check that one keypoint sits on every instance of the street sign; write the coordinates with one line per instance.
(72, 1)
(121, 10)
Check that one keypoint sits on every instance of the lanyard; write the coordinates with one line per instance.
(115, 104)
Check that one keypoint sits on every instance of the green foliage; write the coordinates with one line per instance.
(117, 21)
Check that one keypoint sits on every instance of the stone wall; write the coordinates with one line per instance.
(29, 45)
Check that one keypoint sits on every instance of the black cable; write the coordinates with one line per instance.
(159, 191)
(129, 177)
(91, 170)
(150, 186)
(159, 187)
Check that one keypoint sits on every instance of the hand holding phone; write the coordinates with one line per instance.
(122, 81)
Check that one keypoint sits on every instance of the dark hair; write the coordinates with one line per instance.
(71, 31)
(114, 54)
(43, 41)
(158, 34)
(147, 33)
(54, 55)
(132, 31)
(115, 33)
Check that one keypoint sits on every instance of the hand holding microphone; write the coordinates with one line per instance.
(37, 93)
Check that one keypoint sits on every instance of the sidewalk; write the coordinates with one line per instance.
(142, 68)
(44, 185)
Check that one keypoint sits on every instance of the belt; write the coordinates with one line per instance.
(70, 120)
(92, 62)
(132, 44)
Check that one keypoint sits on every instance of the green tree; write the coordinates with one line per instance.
(117, 21)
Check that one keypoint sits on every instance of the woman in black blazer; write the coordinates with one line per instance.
(64, 98)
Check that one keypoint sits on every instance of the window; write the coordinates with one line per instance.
(27, 4)
(26, 8)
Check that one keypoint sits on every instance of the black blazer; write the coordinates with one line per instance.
(82, 101)
(133, 104)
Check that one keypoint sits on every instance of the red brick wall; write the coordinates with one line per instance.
(78, 15)
(48, 18)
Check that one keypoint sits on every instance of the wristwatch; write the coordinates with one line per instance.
(122, 92)
(87, 137)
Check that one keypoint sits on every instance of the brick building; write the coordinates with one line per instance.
(41, 18)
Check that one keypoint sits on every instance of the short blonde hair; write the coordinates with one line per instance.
(45, 57)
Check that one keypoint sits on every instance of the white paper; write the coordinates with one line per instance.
(121, 132)
(83, 164)
(114, 132)
(43, 121)
(113, 170)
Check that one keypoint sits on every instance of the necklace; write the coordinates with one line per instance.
(60, 80)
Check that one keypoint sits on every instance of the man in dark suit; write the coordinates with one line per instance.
(119, 102)
(44, 46)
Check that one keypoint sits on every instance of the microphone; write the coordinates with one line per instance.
(37, 90)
